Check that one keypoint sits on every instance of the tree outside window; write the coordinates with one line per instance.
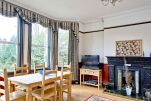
(8, 42)
(39, 50)
(63, 44)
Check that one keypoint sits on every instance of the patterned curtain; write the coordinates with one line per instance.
(74, 50)
(54, 45)
(10, 10)
(33, 17)
(7, 9)
(73, 28)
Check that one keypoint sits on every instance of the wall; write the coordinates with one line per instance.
(127, 33)
(103, 43)
(91, 44)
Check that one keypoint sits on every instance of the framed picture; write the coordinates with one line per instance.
(129, 48)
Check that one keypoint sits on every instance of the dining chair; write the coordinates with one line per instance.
(14, 96)
(38, 67)
(19, 71)
(48, 88)
(65, 82)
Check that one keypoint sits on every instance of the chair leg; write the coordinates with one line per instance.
(60, 95)
(34, 99)
(69, 93)
(55, 97)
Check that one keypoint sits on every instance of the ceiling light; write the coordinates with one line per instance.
(106, 2)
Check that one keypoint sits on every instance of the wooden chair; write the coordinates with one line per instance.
(48, 88)
(65, 82)
(38, 67)
(19, 71)
(14, 96)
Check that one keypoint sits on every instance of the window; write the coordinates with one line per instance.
(39, 49)
(63, 44)
(8, 42)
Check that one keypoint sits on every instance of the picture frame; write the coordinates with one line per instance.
(129, 48)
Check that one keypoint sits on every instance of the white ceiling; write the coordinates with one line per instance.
(79, 10)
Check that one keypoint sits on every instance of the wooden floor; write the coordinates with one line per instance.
(81, 93)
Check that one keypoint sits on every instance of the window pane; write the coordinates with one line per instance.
(39, 35)
(39, 55)
(7, 55)
(63, 44)
(39, 51)
(8, 42)
(8, 28)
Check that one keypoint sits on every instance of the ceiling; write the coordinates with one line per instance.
(79, 10)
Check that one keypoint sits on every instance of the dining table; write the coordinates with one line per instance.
(31, 81)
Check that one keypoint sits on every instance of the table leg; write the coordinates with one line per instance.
(83, 78)
(98, 82)
(80, 78)
(29, 95)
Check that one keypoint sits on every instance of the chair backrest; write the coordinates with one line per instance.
(5, 85)
(66, 75)
(38, 67)
(49, 83)
(18, 71)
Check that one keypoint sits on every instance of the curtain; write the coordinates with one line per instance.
(7, 9)
(54, 45)
(73, 28)
(33, 17)
(29, 44)
(74, 50)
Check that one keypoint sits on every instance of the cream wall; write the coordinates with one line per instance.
(127, 33)
(103, 43)
(91, 44)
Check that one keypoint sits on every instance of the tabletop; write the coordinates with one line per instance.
(32, 78)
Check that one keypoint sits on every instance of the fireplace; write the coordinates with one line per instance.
(121, 82)
(140, 68)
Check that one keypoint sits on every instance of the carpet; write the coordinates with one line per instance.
(97, 98)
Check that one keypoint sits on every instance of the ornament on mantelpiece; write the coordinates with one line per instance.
(143, 54)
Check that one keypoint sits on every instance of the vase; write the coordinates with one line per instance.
(128, 91)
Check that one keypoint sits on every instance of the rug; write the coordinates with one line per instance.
(97, 98)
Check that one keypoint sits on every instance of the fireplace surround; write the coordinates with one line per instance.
(140, 68)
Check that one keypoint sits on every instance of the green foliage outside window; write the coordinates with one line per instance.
(8, 42)
(39, 44)
(63, 44)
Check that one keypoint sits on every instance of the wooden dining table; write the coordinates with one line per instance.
(31, 81)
